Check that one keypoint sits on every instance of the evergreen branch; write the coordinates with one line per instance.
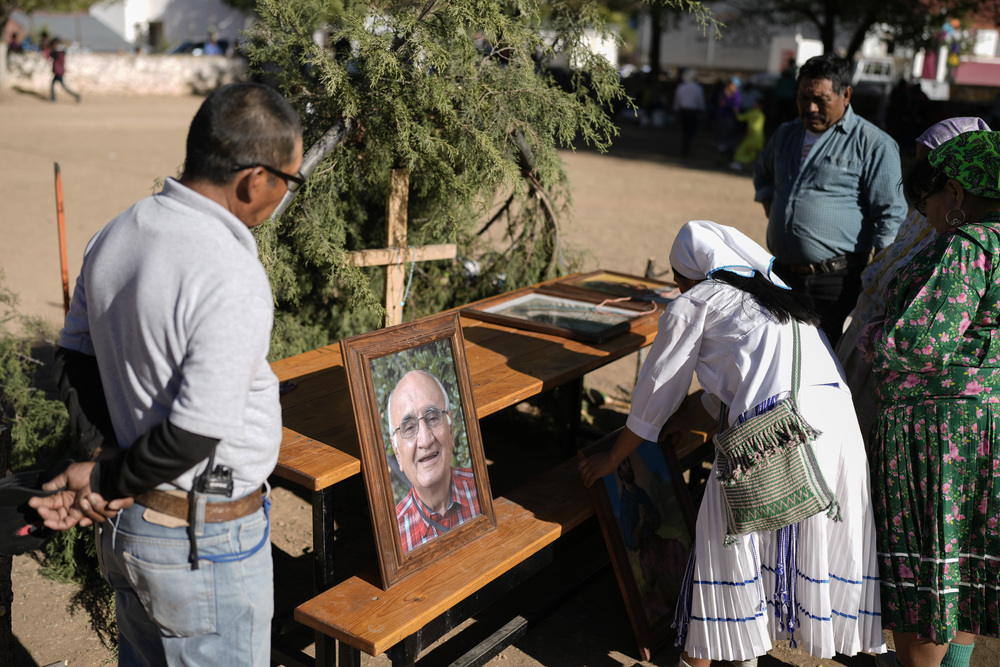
(550, 215)
(503, 209)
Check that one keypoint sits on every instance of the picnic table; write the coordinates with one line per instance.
(320, 447)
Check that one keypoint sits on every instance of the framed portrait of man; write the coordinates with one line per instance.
(421, 450)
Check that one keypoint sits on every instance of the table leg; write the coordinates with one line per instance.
(323, 554)
(569, 398)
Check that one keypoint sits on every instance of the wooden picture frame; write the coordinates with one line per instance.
(649, 556)
(624, 285)
(561, 311)
(398, 470)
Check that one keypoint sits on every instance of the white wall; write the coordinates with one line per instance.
(127, 74)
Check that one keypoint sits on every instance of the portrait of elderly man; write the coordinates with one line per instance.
(421, 429)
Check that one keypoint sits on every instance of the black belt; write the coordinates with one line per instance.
(826, 266)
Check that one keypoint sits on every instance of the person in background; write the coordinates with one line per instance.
(785, 89)
(829, 184)
(212, 46)
(57, 51)
(167, 339)
(689, 105)
(727, 105)
(935, 449)
(912, 236)
(814, 582)
(753, 141)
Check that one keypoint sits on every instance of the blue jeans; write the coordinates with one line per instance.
(169, 614)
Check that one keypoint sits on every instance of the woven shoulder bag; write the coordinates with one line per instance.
(768, 470)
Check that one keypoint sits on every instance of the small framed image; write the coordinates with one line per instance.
(567, 312)
(624, 285)
(648, 522)
(421, 450)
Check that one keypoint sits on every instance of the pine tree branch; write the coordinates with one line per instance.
(503, 209)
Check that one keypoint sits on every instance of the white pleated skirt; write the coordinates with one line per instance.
(833, 600)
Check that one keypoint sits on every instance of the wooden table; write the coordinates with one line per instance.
(320, 444)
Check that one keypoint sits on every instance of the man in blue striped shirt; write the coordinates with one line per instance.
(830, 186)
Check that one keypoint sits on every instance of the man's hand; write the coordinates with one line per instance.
(766, 203)
(75, 503)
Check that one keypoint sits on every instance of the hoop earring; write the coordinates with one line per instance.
(954, 221)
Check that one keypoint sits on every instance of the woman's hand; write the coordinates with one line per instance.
(596, 466)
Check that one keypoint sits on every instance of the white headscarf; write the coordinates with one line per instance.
(703, 247)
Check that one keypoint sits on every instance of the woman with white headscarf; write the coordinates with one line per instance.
(815, 582)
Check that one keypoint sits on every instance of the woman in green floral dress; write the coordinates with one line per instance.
(936, 441)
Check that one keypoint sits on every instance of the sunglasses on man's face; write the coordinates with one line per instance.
(292, 182)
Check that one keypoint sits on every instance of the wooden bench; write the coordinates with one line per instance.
(364, 618)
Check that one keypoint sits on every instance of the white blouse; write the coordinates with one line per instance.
(741, 354)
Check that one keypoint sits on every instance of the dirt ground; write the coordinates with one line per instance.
(628, 206)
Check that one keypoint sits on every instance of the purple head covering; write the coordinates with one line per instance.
(938, 133)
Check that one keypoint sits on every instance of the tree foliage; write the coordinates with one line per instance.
(463, 95)
(908, 22)
(39, 425)
(40, 434)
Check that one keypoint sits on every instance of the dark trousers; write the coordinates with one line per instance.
(834, 295)
(59, 79)
(689, 126)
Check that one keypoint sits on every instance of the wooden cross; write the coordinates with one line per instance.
(393, 257)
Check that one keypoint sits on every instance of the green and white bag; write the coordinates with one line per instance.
(768, 470)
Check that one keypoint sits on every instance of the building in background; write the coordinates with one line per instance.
(184, 26)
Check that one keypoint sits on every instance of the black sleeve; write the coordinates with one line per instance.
(160, 455)
(80, 388)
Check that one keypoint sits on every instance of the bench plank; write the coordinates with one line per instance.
(311, 463)
(360, 614)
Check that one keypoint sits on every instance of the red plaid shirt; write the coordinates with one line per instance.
(414, 529)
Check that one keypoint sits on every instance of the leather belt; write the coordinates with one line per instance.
(178, 506)
(826, 266)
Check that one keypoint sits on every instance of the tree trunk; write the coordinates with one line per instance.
(655, 37)
(828, 31)
(3, 65)
(6, 586)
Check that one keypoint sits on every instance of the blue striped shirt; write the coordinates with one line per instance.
(846, 199)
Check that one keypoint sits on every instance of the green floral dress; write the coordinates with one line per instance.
(935, 455)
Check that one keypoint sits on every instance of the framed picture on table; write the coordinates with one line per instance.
(421, 450)
(623, 285)
(561, 311)
(648, 522)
